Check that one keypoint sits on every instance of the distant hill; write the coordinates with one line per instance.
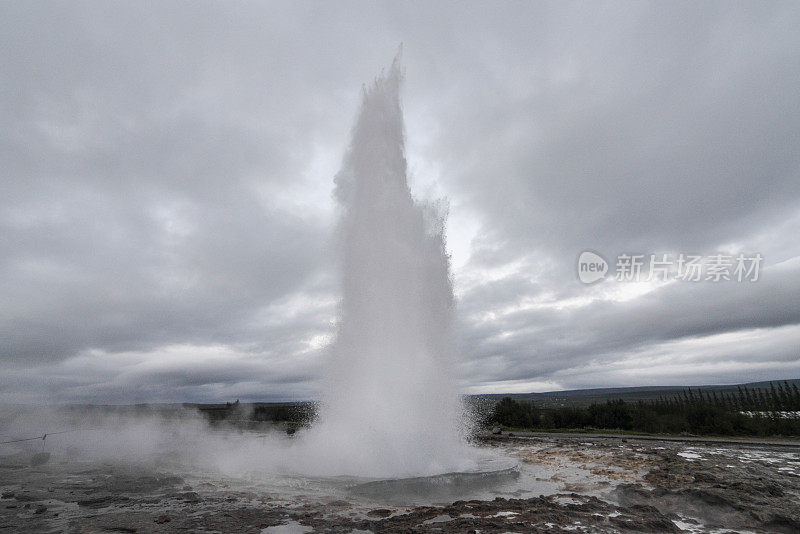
(584, 397)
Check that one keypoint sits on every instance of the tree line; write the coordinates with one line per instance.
(772, 411)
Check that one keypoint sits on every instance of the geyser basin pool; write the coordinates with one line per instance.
(445, 487)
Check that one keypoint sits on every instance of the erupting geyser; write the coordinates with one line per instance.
(390, 405)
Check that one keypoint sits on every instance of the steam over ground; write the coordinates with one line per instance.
(184, 439)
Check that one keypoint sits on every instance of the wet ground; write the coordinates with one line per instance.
(563, 484)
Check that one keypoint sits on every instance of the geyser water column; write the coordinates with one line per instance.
(390, 405)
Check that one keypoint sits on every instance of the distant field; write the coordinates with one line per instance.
(586, 397)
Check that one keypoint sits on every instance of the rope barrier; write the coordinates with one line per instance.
(42, 437)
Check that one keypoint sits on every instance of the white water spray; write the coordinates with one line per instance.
(391, 405)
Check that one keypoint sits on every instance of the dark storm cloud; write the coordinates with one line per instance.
(542, 341)
(134, 215)
(167, 169)
(665, 128)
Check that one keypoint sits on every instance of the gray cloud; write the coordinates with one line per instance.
(544, 340)
(167, 175)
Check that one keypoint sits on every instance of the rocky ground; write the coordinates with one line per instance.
(566, 484)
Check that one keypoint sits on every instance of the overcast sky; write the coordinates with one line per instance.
(166, 177)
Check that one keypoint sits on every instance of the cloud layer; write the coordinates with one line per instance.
(166, 219)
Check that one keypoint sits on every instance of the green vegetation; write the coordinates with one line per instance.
(300, 413)
(292, 413)
(772, 411)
